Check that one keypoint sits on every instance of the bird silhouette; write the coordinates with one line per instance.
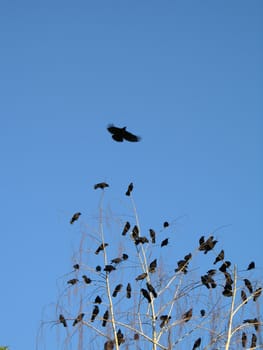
(257, 293)
(109, 345)
(125, 256)
(244, 296)
(62, 320)
(101, 247)
(97, 300)
(251, 265)
(253, 341)
(75, 217)
(120, 337)
(220, 256)
(151, 289)
(78, 319)
(128, 291)
(116, 261)
(152, 266)
(142, 276)
(86, 279)
(105, 318)
(101, 185)
(224, 266)
(165, 319)
(129, 190)
(254, 322)
(202, 312)
(117, 290)
(146, 295)
(126, 228)
(244, 339)
(197, 344)
(109, 268)
(164, 242)
(73, 281)
(165, 224)
(135, 232)
(95, 312)
(121, 134)
(248, 285)
(187, 315)
(152, 235)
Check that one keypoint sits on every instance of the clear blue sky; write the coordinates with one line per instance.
(185, 76)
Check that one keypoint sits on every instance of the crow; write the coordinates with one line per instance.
(101, 247)
(125, 256)
(142, 276)
(87, 280)
(253, 341)
(136, 336)
(116, 261)
(97, 300)
(120, 134)
(202, 312)
(95, 312)
(187, 315)
(117, 290)
(141, 240)
(135, 232)
(244, 339)
(254, 322)
(75, 217)
(220, 256)
(197, 344)
(257, 293)
(228, 277)
(109, 268)
(248, 285)
(128, 291)
(78, 319)
(101, 185)
(146, 295)
(152, 235)
(224, 266)
(129, 190)
(105, 318)
(164, 242)
(151, 289)
(126, 228)
(120, 337)
(251, 265)
(165, 319)
(109, 345)
(243, 296)
(73, 281)
(152, 266)
(205, 281)
(62, 320)
(98, 268)
(165, 224)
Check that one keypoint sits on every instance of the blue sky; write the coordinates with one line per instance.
(185, 76)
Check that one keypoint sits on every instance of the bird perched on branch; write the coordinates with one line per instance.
(101, 185)
(73, 281)
(117, 290)
(62, 320)
(129, 190)
(94, 313)
(248, 285)
(146, 295)
(197, 344)
(105, 318)
(75, 217)
(121, 134)
(126, 228)
(220, 256)
(101, 247)
(251, 265)
(78, 319)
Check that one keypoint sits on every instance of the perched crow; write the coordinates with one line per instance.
(141, 240)
(227, 292)
(253, 341)
(152, 235)
(248, 285)
(129, 190)
(164, 242)
(87, 280)
(165, 224)
(128, 291)
(97, 300)
(152, 266)
(125, 256)
(254, 322)
(187, 315)
(257, 293)
(251, 266)
(62, 320)
(101, 247)
(78, 319)
(105, 318)
(151, 289)
(142, 276)
(76, 267)
(126, 228)
(95, 312)
(228, 277)
(165, 319)
(117, 290)
(201, 240)
(243, 296)
(146, 295)
(183, 264)
(116, 261)
(202, 312)
(136, 336)
(109, 345)
(205, 281)
(220, 256)
(211, 272)
(120, 134)
(120, 337)
(135, 232)
(109, 268)
(101, 185)
(73, 281)
(98, 268)
(75, 217)
(224, 266)
(244, 339)
(197, 344)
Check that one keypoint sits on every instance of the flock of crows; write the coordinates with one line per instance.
(150, 293)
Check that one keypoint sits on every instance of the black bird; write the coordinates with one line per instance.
(205, 281)
(128, 291)
(165, 224)
(141, 240)
(73, 281)
(164, 242)
(224, 266)
(129, 190)
(95, 312)
(152, 235)
(125, 256)
(78, 319)
(101, 185)
(165, 319)
(136, 336)
(75, 217)
(142, 276)
(257, 293)
(248, 285)
(201, 240)
(253, 341)
(202, 312)
(126, 228)
(109, 345)
(244, 296)
(182, 266)
(227, 292)
(152, 266)
(254, 322)
(146, 295)
(197, 344)
(117, 290)
(98, 268)
(244, 339)
(120, 337)
(97, 300)
(101, 247)
(135, 232)
(76, 267)
(87, 280)
(251, 265)
(151, 289)
(220, 256)
(187, 315)
(211, 272)
(116, 261)
(109, 268)
(228, 277)
(120, 134)
(105, 318)
(62, 320)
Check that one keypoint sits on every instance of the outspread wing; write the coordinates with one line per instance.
(130, 137)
